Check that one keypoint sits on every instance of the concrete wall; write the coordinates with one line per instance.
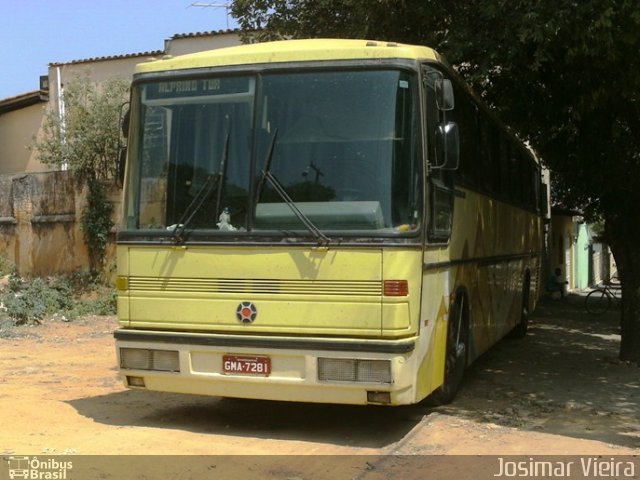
(40, 231)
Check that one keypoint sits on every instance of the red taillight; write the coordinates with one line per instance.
(396, 288)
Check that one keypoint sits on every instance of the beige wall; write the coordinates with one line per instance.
(97, 71)
(17, 130)
(183, 44)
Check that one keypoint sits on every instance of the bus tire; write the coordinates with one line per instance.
(456, 354)
(520, 330)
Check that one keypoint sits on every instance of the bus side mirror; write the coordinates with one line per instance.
(125, 115)
(122, 162)
(444, 94)
(447, 147)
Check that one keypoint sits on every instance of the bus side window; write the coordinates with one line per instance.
(472, 164)
(493, 139)
(515, 175)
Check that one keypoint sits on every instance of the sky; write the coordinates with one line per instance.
(35, 33)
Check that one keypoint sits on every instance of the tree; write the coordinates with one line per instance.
(86, 139)
(564, 74)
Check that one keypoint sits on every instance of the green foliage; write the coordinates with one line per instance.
(30, 301)
(563, 75)
(87, 139)
(5, 267)
(97, 223)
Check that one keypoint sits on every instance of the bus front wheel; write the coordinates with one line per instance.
(456, 354)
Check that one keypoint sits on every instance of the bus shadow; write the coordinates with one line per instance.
(563, 378)
(352, 426)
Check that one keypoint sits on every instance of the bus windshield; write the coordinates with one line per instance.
(342, 145)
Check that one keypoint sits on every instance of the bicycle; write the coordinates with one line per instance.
(599, 300)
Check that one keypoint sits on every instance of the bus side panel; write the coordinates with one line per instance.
(500, 243)
(493, 246)
(431, 347)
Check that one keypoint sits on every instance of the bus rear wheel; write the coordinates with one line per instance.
(520, 330)
(456, 354)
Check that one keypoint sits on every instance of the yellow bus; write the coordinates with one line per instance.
(336, 221)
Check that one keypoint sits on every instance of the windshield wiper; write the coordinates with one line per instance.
(192, 208)
(202, 195)
(267, 165)
(223, 173)
(320, 237)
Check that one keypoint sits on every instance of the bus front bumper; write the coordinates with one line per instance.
(318, 370)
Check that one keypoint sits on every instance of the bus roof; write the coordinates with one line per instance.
(290, 51)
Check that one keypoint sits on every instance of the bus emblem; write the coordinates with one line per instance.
(246, 312)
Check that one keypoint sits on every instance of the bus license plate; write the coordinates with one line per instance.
(246, 365)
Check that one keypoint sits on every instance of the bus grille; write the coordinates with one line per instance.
(255, 286)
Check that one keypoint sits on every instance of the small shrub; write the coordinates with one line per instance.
(5, 267)
(106, 304)
(15, 283)
(29, 304)
(30, 301)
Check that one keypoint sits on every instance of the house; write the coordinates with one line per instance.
(577, 250)
(20, 121)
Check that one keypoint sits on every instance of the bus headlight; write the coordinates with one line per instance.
(354, 370)
(147, 359)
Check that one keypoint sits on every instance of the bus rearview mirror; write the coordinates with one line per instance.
(444, 94)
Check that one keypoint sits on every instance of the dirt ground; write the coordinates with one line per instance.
(560, 390)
